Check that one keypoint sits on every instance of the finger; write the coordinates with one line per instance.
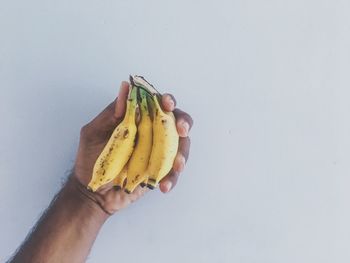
(136, 194)
(184, 122)
(106, 121)
(179, 163)
(121, 100)
(140, 191)
(168, 102)
(182, 154)
(184, 147)
(168, 182)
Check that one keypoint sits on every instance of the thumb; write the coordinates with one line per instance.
(120, 105)
(104, 123)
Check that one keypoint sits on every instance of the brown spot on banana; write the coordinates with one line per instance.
(126, 133)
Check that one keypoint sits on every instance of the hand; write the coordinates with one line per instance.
(95, 135)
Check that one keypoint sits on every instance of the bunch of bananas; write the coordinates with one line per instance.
(142, 148)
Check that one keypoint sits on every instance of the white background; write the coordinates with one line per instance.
(267, 83)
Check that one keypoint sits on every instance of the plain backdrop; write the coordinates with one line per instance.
(267, 83)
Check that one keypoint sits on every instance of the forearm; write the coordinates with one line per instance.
(66, 231)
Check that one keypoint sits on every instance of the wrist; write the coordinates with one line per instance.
(77, 195)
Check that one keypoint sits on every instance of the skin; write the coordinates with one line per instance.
(68, 228)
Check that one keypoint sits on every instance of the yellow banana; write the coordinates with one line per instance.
(165, 145)
(118, 149)
(118, 181)
(139, 159)
(165, 138)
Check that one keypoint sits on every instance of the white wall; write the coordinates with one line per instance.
(267, 83)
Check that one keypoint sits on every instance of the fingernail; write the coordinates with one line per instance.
(186, 126)
(168, 185)
(171, 102)
(181, 161)
(182, 166)
(125, 83)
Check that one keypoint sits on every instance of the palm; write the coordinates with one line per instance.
(89, 150)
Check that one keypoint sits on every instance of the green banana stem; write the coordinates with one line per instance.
(146, 92)
(143, 97)
(141, 82)
(132, 94)
(132, 103)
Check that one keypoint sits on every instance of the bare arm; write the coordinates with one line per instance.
(68, 228)
(66, 231)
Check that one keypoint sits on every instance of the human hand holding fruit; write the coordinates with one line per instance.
(117, 149)
(95, 144)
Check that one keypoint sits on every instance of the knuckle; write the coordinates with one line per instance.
(188, 141)
(172, 97)
(188, 118)
(84, 131)
(184, 116)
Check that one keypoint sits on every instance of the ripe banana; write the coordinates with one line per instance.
(118, 149)
(139, 159)
(165, 138)
(118, 181)
(165, 145)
